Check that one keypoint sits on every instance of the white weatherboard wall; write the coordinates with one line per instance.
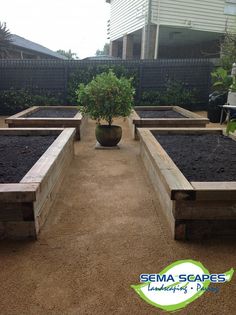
(202, 15)
(127, 16)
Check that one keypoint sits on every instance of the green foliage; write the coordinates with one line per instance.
(106, 97)
(105, 50)
(228, 51)
(233, 86)
(13, 101)
(152, 98)
(177, 93)
(5, 35)
(5, 40)
(68, 54)
(221, 79)
(46, 100)
(231, 126)
(174, 93)
(86, 73)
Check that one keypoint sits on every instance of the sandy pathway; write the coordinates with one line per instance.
(104, 229)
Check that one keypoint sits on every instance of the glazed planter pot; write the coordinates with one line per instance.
(214, 111)
(108, 136)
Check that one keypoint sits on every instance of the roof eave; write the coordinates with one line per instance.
(36, 52)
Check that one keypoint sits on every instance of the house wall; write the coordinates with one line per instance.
(203, 15)
(208, 16)
(155, 11)
(129, 16)
(126, 17)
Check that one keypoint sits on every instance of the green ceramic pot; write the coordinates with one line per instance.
(108, 136)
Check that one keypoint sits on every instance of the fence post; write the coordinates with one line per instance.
(65, 82)
(140, 81)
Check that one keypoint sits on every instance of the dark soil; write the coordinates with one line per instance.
(19, 153)
(159, 114)
(209, 157)
(53, 113)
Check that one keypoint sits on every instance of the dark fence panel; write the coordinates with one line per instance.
(35, 75)
(51, 76)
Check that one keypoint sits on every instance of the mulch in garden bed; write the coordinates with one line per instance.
(159, 114)
(19, 153)
(53, 113)
(202, 157)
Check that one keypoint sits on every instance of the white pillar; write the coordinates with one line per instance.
(157, 42)
(128, 47)
(148, 46)
(114, 48)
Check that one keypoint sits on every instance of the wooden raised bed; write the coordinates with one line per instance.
(24, 206)
(190, 119)
(192, 209)
(23, 119)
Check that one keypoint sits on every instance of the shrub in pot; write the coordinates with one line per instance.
(214, 111)
(105, 98)
(221, 83)
(232, 90)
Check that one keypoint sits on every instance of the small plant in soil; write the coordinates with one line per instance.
(105, 98)
(231, 126)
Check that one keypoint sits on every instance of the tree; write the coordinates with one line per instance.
(5, 40)
(228, 48)
(68, 54)
(228, 51)
(105, 50)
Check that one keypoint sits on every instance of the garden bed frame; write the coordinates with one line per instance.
(24, 206)
(78, 121)
(191, 120)
(193, 209)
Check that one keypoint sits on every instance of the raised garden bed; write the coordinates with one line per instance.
(32, 164)
(49, 116)
(163, 116)
(193, 171)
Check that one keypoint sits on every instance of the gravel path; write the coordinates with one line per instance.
(103, 231)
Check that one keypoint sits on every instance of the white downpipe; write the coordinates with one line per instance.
(149, 20)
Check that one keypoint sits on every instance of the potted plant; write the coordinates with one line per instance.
(105, 98)
(232, 90)
(221, 82)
